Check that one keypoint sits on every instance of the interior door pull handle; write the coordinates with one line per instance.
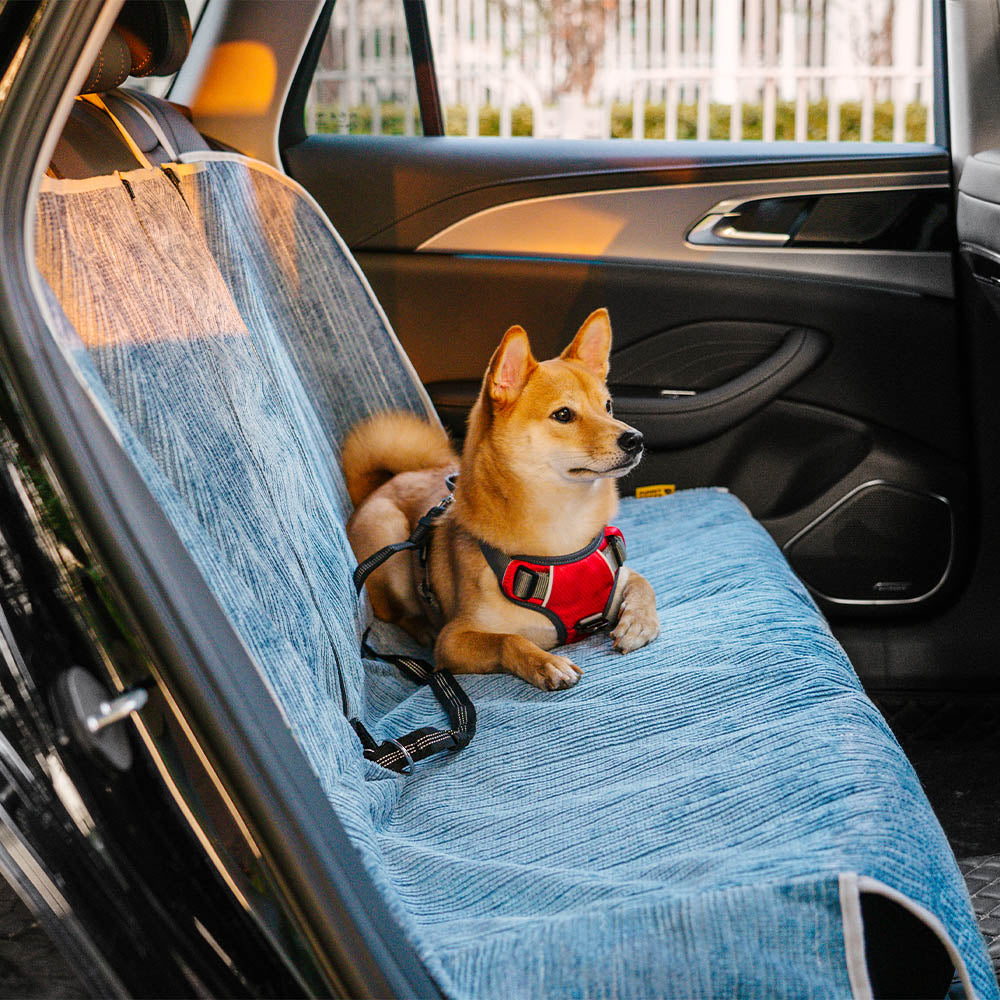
(739, 237)
(713, 231)
(755, 222)
(677, 422)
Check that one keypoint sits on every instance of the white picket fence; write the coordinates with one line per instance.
(500, 54)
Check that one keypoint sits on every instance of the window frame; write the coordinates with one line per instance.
(293, 129)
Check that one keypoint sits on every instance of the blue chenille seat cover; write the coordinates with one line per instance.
(694, 819)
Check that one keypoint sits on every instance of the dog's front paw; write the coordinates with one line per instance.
(638, 625)
(554, 673)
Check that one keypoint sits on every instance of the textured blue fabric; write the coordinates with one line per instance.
(734, 760)
(673, 825)
(308, 308)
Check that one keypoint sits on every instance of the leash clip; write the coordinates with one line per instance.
(425, 523)
(408, 766)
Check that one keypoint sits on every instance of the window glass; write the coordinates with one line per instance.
(801, 70)
(364, 82)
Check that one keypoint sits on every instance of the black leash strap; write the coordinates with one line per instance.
(419, 538)
(402, 753)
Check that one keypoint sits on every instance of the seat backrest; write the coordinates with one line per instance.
(296, 285)
(231, 341)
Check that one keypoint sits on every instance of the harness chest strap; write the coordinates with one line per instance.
(579, 593)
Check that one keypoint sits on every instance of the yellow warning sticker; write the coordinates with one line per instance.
(659, 490)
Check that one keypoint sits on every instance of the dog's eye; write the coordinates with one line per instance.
(564, 415)
(607, 406)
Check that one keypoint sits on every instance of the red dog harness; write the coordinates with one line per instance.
(579, 593)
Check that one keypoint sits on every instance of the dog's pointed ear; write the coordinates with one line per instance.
(592, 344)
(510, 366)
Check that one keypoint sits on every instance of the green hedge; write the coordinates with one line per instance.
(359, 118)
(521, 121)
(784, 121)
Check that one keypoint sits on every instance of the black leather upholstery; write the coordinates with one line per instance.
(111, 67)
(90, 145)
(158, 34)
(150, 38)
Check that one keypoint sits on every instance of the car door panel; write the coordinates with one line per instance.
(393, 193)
(462, 238)
(890, 355)
(662, 224)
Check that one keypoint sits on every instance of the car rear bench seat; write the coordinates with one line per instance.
(723, 813)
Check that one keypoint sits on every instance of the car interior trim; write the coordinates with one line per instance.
(286, 36)
(696, 236)
(652, 224)
(425, 76)
(881, 602)
(354, 176)
(189, 816)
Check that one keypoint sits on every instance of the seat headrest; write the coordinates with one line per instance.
(111, 67)
(158, 35)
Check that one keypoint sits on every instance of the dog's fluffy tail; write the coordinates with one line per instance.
(388, 443)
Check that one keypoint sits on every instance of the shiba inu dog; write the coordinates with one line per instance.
(537, 475)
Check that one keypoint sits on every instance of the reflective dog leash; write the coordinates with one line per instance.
(401, 753)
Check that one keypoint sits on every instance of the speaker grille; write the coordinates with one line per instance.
(881, 543)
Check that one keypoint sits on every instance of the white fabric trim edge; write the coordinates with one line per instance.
(854, 936)
(71, 185)
(868, 884)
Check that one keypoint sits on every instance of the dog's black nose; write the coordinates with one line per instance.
(630, 442)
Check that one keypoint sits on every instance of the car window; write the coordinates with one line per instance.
(364, 82)
(835, 70)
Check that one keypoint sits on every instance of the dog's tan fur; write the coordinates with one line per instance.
(527, 484)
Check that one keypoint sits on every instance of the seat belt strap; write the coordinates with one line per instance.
(148, 116)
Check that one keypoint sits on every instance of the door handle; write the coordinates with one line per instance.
(739, 237)
(756, 222)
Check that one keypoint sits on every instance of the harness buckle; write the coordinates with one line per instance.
(530, 585)
(592, 623)
(616, 546)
